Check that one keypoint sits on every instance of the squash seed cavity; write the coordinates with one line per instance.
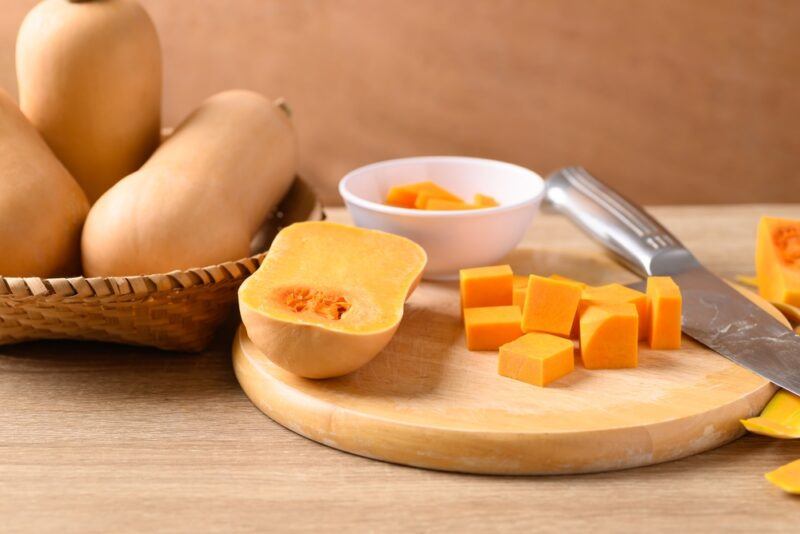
(327, 305)
(787, 240)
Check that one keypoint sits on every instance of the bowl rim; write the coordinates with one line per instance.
(351, 198)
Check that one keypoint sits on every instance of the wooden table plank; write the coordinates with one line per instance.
(101, 438)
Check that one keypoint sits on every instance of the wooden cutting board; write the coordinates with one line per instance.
(428, 402)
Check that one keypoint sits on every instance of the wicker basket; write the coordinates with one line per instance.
(173, 311)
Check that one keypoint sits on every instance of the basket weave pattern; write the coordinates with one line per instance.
(173, 311)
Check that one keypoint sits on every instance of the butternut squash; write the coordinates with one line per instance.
(550, 305)
(329, 297)
(779, 419)
(664, 309)
(537, 359)
(610, 336)
(42, 208)
(89, 76)
(488, 328)
(778, 260)
(486, 286)
(786, 477)
(202, 195)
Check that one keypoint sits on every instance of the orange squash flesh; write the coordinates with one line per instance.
(786, 477)
(536, 358)
(609, 336)
(406, 196)
(617, 293)
(664, 305)
(485, 201)
(550, 305)
(520, 289)
(329, 297)
(488, 328)
(443, 204)
(486, 286)
(778, 260)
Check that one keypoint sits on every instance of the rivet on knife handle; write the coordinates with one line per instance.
(638, 240)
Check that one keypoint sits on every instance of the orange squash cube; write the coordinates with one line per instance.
(536, 358)
(401, 197)
(486, 286)
(431, 190)
(520, 288)
(550, 305)
(484, 201)
(488, 328)
(443, 204)
(617, 293)
(664, 305)
(610, 336)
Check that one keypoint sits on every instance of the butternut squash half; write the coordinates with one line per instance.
(329, 297)
(89, 76)
(42, 208)
(201, 197)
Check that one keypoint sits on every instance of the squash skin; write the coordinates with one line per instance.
(323, 350)
(42, 208)
(89, 77)
(202, 195)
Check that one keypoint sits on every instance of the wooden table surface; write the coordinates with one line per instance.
(102, 438)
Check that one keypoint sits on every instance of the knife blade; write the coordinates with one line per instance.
(714, 314)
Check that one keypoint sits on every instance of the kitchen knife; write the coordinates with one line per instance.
(714, 314)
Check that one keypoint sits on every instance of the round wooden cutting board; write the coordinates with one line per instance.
(426, 401)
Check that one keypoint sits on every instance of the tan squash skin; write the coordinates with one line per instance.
(42, 208)
(89, 76)
(201, 196)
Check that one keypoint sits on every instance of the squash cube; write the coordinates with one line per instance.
(520, 285)
(664, 305)
(484, 201)
(431, 190)
(609, 336)
(550, 305)
(617, 293)
(489, 327)
(536, 358)
(486, 286)
(443, 204)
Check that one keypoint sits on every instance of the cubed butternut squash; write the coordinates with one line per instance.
(484, 201)
(550, 305)
(617, 293)
(443, 204)
(490, 327)
(664, 306)
(486, 286)
(520, 288)
(536, 358)
(609, 336)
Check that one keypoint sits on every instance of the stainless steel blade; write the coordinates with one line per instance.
(719, 317)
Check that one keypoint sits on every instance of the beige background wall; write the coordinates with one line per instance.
(669, 100)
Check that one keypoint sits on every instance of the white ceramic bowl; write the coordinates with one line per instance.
(453, 239)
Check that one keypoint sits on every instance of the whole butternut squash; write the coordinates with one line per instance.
(89, 76)
(42, 208)
(202, 195)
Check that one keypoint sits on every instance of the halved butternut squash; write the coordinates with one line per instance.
(329, 297)
(778, 260)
